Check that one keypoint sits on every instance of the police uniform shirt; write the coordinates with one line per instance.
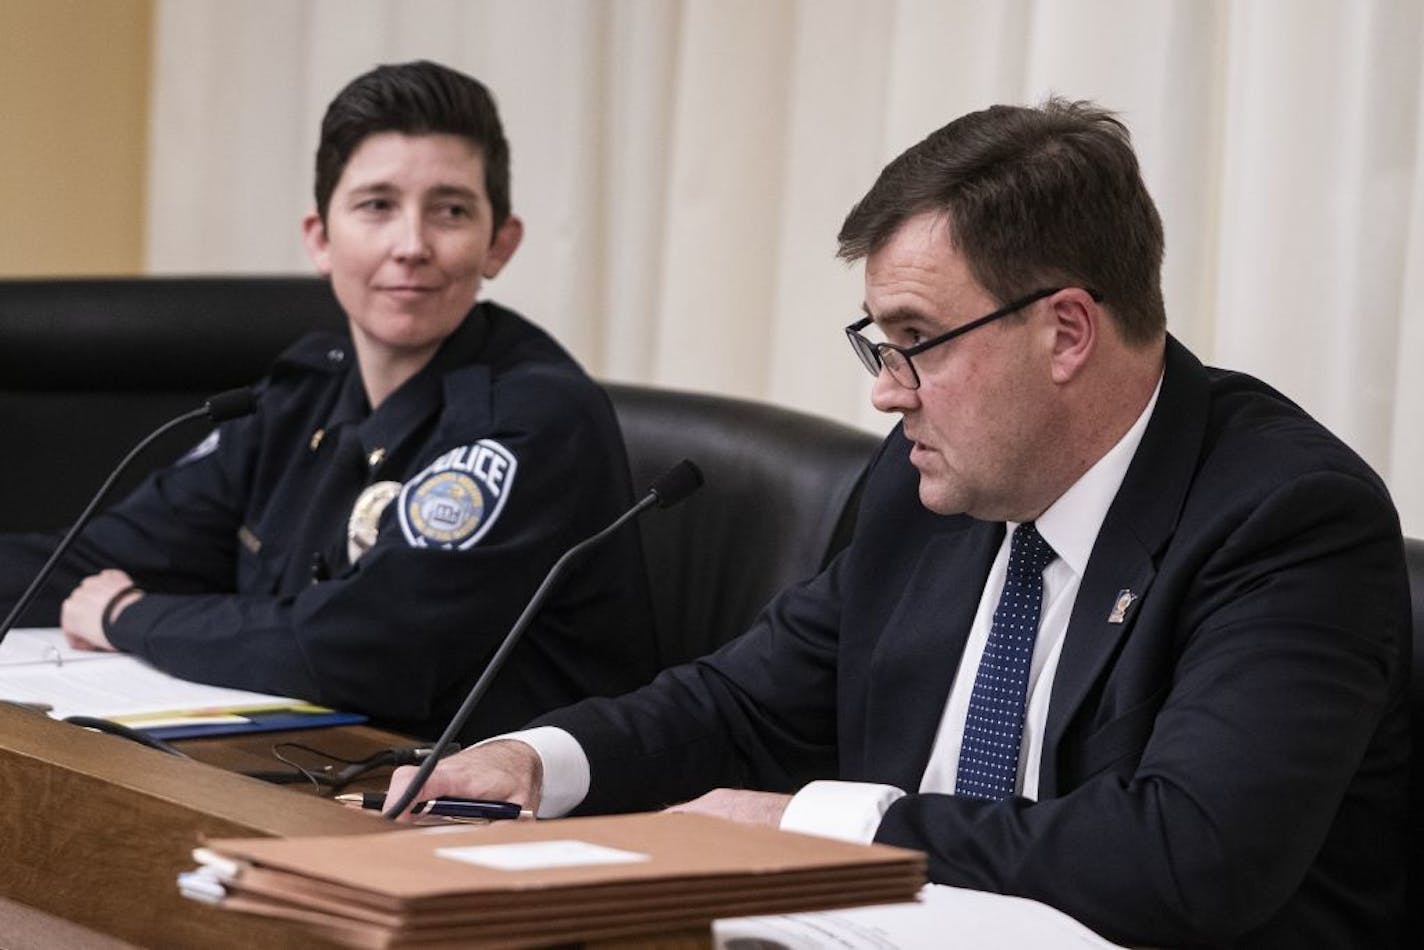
(372, 561)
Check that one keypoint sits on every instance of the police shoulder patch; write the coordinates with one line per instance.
(454, 502)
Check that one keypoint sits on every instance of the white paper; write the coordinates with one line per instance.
(28, 646)
(944, 917)
(537, 855)
(36, 667)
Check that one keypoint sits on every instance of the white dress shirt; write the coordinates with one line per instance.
(852, 810)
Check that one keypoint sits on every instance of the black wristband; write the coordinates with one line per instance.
(106, 619)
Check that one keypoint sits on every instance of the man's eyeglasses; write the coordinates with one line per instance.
(896, 359)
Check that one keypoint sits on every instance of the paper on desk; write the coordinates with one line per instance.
(25, 647)
(943, 917)
(37, 667)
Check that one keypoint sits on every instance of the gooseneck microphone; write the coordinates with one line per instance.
(232, 404)
(677, 483)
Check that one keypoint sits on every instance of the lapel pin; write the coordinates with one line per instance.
(1125, 597)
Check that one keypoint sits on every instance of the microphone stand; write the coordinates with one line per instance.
(668, 490)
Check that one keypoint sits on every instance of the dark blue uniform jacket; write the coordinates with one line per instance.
(505, 454)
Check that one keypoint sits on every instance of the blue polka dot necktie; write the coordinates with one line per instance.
(989, 755)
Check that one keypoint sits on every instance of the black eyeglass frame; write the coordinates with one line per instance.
(870, 354)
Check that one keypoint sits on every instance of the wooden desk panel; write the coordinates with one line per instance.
(95, 829)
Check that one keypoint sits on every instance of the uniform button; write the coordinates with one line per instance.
(336, 356)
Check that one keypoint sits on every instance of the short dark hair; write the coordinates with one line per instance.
(419, 98)
(1033, 197)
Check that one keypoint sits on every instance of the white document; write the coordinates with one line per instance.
(539, 855)
(37, 667)
(943, 917)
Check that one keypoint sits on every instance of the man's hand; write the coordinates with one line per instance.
(734, 804)
(507, 770)
(81, 616)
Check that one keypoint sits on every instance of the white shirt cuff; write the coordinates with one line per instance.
(565, 768)
(850, 811)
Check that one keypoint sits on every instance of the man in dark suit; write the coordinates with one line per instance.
(1116, 631)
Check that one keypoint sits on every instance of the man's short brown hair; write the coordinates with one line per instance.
(1033, 197)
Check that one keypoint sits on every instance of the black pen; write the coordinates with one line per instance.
(449, 807)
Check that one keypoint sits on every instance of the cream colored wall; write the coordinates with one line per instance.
(74, 78)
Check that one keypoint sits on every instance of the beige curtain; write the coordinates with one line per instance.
(683, 166)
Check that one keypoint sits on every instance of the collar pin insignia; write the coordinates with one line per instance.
(1125, 597)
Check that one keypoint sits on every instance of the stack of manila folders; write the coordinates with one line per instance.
(536, 883)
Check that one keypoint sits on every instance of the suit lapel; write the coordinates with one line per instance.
(1138, 526)
(916, 657)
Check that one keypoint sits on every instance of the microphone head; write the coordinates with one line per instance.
(677, 483)
(233, 404)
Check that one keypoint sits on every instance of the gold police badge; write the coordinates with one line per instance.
(366, 517)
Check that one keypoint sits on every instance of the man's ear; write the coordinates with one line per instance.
(502, 248)
(314, 237)
(1077, 321)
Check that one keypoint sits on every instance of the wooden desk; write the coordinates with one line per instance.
(252, 752)
(95, 829)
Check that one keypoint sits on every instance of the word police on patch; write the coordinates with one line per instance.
(458, 497)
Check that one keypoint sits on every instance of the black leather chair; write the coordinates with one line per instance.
(90, 366)
(778, 503)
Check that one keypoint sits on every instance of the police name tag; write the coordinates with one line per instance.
(458, 498)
